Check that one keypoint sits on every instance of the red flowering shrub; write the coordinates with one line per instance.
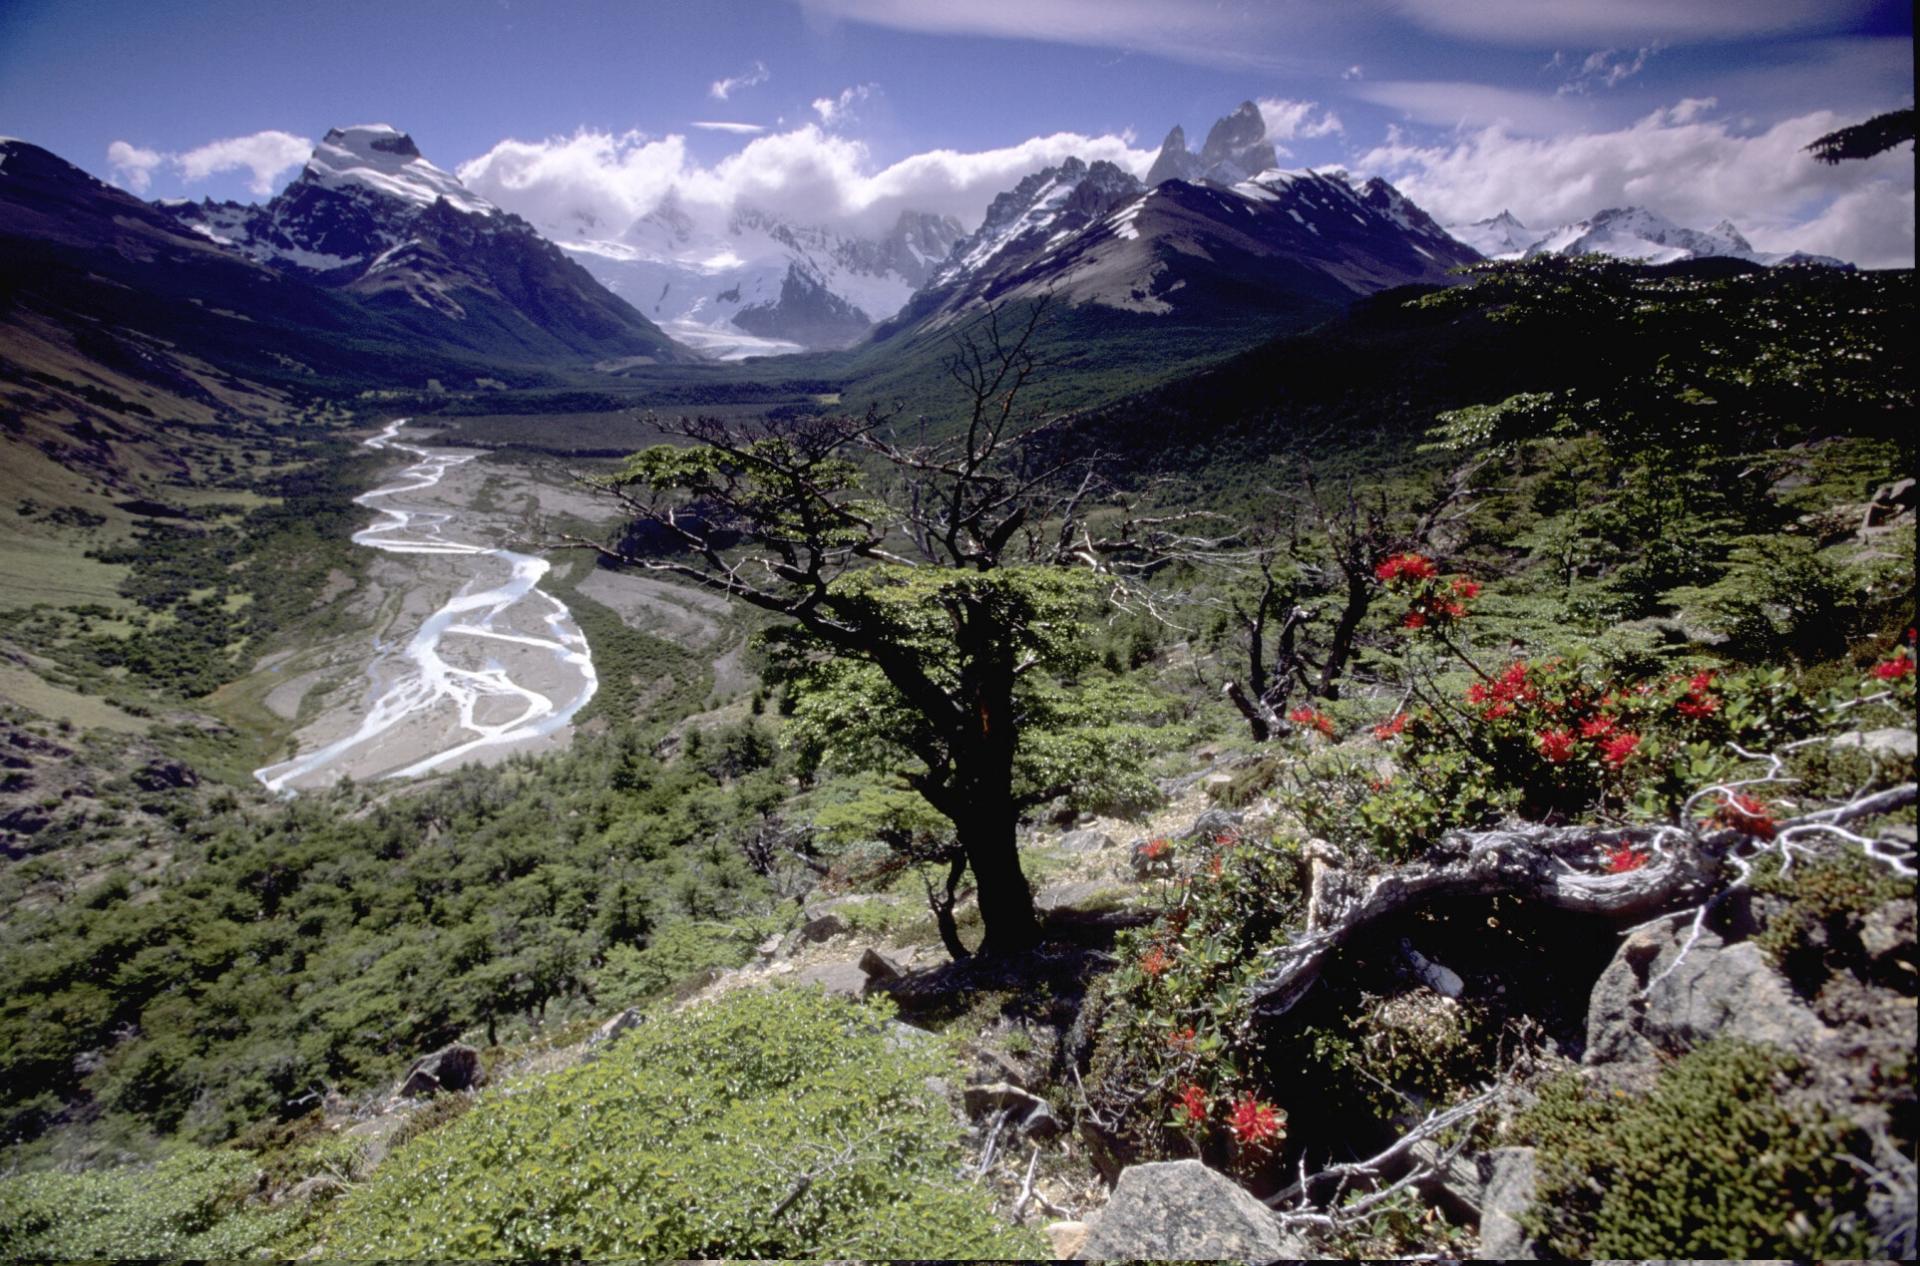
(1746, 814)
(1311, 719)
(1431, 602)
(1624, 858)
(1193, 1102)
(1390, 728)
(1181, 1039)
(1155, 961)
(1899, 665)
(1158, 848)
(1556, 746)
(1256, 1125)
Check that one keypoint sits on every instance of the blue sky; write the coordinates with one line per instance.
(865, 107)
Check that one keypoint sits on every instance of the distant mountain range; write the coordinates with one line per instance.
(1633, 233)
(376, 263)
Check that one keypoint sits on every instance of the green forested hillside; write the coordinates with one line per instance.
(1615, 561)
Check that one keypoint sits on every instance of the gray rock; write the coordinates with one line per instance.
(1888, 928)
(902, 1036)
(823, 928)
(1025, 1111)
(1717, 990)
(877, 965)
(1079, 894)
(1893, 743)
(770, 948)
(1181, 1210)
(1511, 1174)
(628, 1019)
(845, 979)
(1085, 841)
(1214, 822)
(454, 1067)
(1149, 861)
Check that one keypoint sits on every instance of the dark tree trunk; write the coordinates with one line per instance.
(1006, 902)
(942, 906)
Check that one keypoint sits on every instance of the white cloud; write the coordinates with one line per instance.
(133, 166)
(721, 89)
(719, 125)
(1273, 34)
(1678, 161)
(1355, 71)
(1453, 104)
(265, 154)
(1537, 22)
(1608, 68)
(596, 184)
(835, 109)
(1290, 120)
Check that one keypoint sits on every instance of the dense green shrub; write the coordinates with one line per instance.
(765, 1124)
(1718, 1160)
(189, 1205)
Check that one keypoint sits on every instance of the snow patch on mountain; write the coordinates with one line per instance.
(1630, 233)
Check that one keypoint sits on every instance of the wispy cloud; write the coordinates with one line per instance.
(721, 125)
(264, 155)
(1621, 22)
(722, 89)
(836, 109)
(1454, 104)
(1608, 68)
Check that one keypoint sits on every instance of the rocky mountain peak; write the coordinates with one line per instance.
(1236, 148)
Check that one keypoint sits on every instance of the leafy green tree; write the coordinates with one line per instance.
(933, 611)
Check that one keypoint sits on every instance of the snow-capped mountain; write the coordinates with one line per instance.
(1236, 148)
(1632, 233)
(371, 216)
(1095, 236)
(1501, 237)
(758, 284)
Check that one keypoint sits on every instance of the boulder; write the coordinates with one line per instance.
(1718, 990)
(844, 979)
(822, 928)
(1028, 1112)
(628, 1019)
(1065, 1238)
(1214, 822)
(1892, 743)
(1508, 1191)
(455, 1067)
(877, 965)
(1183, 1211)
(1085, 841)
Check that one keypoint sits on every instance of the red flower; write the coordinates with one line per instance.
(1697, 706)
(1256, 1124)
(1216, 865)
(1556, 746)
(1625, 858)
(1389, 728)
(1181, 1039)
(1596, 727)
(1476, 693)
(1157, 848)
(1464, 588)
(1746, 814)
(1497, 710)
(1900, 665)
(1155, 961)
(1312, 719)
(1414, 620)
(1406, 567)
(1193, 1101)
(1618, 749)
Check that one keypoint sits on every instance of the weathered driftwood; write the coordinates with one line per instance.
(1560, 867)
(1555, 865)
